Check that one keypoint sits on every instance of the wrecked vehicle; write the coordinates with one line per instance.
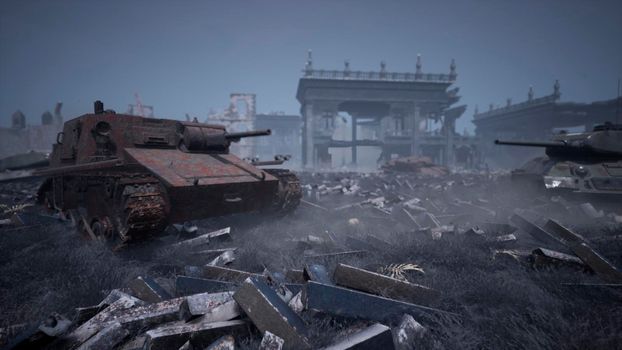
(585, 163)
(128, 177)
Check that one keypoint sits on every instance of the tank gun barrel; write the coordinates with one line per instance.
(550, 144)
(236, 136)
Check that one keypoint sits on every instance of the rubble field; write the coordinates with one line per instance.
(393, 260)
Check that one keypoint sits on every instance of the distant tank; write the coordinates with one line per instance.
(132, 176)
(589, 162)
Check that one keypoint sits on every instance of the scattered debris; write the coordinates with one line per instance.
(375, 283)
(271, 342)
(376, 336)
(350, 303)
(408, 332)
(270, 313)
(147, 289)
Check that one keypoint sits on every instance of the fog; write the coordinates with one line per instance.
(186, 57)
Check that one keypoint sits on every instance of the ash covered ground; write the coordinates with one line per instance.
(454, 227)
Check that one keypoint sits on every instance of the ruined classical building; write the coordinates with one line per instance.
(536, 119)
(392, 113)
(21, 137)
(238, 116)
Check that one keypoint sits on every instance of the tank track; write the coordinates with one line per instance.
(142, 210)
(290, 191)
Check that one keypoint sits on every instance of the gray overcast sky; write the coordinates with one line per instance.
(187, 56)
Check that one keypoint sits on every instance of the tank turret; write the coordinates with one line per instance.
(133, 176)
(589, 162)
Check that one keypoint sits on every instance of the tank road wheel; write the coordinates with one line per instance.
(103, 229)
(289, 194)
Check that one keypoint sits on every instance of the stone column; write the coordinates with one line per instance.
(354, 137)
(308, 147)
(415, 118)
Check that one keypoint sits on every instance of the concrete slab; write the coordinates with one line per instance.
(376, 283)
(270, 313)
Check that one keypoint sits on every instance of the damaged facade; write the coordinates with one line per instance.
(389, 111)
(239, 116)
(21, 137)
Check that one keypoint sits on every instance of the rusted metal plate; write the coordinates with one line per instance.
(179, 169)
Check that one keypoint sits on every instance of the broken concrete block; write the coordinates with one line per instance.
(579, 246)
(375, 283)
(270, 313)
(174, 335)
(147, 289)
(186, 346)
(407, 333)
(223, 259)
(226, 342)
(185, 285)
(295, 276)
(563, 233)
(101, 320)
(534, 230)
(26, 336)
(351, 303)
(512, 255)
(203, 239)
(295, 303)
(317, 273)
(547, 257)
(475, 233)
(599, 264)
(271, 342)
(83, 314)
(503, 241)
(141, 317)
(589, 210)
(137, 343)
(106, 339)
(115, 295)
(376, 336)
(223, 273)
(225, 312)
(55, 325)
(200, 304)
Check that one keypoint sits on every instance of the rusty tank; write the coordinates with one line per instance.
(128, 177)
(587, 163)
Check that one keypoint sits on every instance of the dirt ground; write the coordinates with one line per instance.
(501, 302)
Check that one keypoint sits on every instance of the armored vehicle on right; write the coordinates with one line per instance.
(588, 163)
